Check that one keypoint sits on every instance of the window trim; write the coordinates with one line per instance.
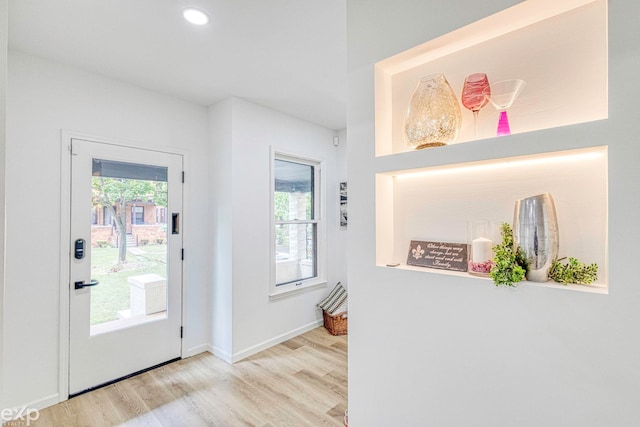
(319, 218)
(107, 218)
(161, 212)
(134, 214)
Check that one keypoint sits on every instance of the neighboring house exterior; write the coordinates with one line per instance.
(146, 223)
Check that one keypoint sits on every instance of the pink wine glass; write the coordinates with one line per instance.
(502, 95)
(474, 95)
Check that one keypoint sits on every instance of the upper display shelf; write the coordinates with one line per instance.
(557, 48)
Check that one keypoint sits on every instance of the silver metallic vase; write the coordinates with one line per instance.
(535, 231)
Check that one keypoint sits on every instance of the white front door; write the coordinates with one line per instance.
(125, 262)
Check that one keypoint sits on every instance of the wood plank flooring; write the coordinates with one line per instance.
(301, 382)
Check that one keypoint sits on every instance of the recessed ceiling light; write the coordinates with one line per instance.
(195, 16)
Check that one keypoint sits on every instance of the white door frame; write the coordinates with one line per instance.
(65, 243)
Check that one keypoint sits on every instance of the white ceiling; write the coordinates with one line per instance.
(288, 55)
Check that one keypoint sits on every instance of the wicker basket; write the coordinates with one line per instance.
(336, 324)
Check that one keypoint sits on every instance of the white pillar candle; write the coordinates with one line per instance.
(481, 249)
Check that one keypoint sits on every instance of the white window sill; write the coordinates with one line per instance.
(291, 290)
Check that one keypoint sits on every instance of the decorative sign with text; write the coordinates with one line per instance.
(442, 255)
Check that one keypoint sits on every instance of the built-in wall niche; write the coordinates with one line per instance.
(558, 47)
(436, 203)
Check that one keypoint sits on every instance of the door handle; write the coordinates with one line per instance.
(175, 223)
(81, 284)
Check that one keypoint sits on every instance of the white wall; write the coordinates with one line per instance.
(461, 352)
(3, 92)
(43, 98)
(339, 256)
(221, 197)
(257, 321)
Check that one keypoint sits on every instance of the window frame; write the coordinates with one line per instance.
(107, 217)
(161, 212)
(134, 215)
(318, 218)
(95, 216)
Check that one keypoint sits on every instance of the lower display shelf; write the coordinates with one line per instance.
(596, 288)
(436, 204)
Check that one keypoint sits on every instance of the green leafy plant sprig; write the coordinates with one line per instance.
(573, 272)
(510, 265)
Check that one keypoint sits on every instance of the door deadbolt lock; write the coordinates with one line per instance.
(78, 249)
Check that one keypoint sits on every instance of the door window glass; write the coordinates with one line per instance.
(128, 254)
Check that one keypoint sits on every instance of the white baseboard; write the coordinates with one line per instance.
(196, 350)
(23, 412)
(221, 354)
(273, 341)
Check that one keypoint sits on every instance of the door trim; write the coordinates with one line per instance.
(65, 240)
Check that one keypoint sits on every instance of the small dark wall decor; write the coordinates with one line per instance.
(441, 255)
(343, 205)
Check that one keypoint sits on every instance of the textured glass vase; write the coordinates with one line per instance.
(433, 118)
(535, 231)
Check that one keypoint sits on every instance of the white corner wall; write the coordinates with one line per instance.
(43, 98)
(244, 202)
(221, 215)
(463, 352)
(4, 24)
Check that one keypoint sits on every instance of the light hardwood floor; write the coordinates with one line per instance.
(301, 382)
